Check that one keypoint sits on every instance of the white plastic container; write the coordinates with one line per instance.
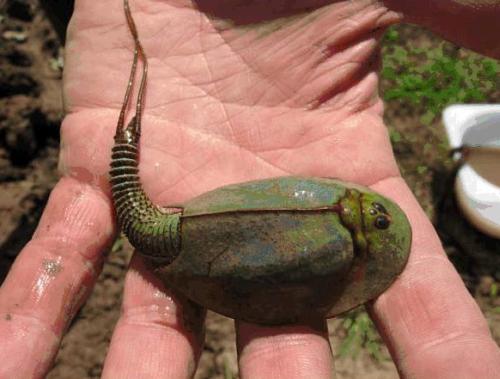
(478, 181)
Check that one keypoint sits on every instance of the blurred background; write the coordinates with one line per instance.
(421, 75)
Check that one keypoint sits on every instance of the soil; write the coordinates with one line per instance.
(30, 116)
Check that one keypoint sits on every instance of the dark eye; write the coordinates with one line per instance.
(379, 207)
(382, 222)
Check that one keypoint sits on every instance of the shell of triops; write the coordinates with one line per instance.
(286, 249)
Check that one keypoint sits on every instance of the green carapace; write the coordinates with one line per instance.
(274, 251)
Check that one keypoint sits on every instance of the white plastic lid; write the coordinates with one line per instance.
(478, 197)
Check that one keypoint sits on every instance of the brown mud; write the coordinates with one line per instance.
(30, 115)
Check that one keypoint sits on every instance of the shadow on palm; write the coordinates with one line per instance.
(244, 12)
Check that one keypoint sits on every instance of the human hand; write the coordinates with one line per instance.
(226, 103)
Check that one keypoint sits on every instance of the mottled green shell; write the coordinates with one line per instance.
(276, 251)
(286, 193)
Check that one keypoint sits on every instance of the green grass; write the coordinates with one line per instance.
(429, 79)
(226, 369)
(118, 244)
(360, 334)
(494, 290)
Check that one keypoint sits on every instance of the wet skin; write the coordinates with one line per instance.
(229, 103)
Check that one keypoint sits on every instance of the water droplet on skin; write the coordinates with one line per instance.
(159, 294)
(169, 310)
(155, 308)
(166, 307)
(50, 269)
(40, 285)
(157, 167)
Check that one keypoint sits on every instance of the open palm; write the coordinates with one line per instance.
(235, 93)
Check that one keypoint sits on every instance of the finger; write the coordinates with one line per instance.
(157, 336)
(471, 24)
(51, 277)
(432, 325)
(291, 352)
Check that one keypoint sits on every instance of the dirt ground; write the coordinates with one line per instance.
(30, 115)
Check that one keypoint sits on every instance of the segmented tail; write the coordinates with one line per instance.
(150, 229)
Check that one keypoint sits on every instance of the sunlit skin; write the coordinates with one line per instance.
(225, 104)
